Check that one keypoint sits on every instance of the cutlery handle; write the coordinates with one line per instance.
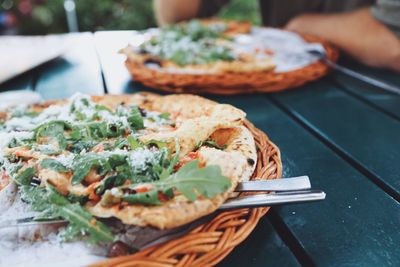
(285, 184)
(264, 200)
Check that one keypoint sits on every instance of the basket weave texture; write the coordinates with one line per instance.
(232, 83)
(209, 243)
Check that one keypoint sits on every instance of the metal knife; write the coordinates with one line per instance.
(284, 184)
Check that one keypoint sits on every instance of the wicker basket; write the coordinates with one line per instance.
(209, 243)
(232, 83)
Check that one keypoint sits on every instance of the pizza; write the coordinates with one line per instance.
(141, 159)
(200, 46)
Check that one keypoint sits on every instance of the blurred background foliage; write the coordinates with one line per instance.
(32, 17)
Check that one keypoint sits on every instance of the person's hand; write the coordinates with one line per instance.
(356, 33)
(172, 11)
(303, 23)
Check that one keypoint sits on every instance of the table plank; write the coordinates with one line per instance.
(77, 71)
(383, 101)
(376, 97)
(358, 223)
(266, 251)
(364, 135)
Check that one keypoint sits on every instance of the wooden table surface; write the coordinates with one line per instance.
(343, 133)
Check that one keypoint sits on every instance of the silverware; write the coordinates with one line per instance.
(375, 82)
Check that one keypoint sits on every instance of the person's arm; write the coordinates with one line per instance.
(357, 33)
(172, 11)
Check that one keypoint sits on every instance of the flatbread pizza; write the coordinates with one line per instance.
(143, 159)
(199, 46)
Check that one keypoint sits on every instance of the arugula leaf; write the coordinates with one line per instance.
(209, 143)
(173, 162)
(99, 107)
(133, 142)
(147, 198)
(69, 233)
(17, 142)
(82, 199)
(189, 179)
(35, 196)
(109, 182)
(83, 164)
(103, 164)
(53, 164)
(95, 130)
(77, 146)
(115, 130)
(119, 143)
(135, 119)
(156, 143)
(165, 115)
(24, 177)
(115, 160)
(53, 131)
(50, 202)
(79, 217)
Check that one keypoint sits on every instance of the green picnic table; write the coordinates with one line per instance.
(341, 132)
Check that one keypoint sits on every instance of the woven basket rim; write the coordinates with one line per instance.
(211, 242)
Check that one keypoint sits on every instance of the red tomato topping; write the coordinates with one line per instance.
(142, 189)
(189, 157)
(92, 194)
(268, 52)
(162, 197)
